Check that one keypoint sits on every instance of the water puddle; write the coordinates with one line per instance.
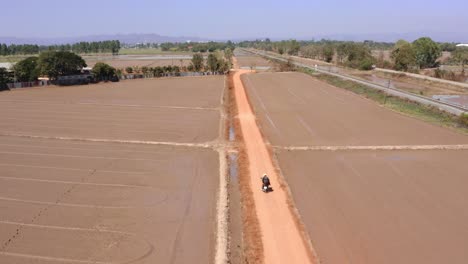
(233, 166)
(232, 133)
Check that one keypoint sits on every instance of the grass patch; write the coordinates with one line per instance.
(14, 58)
(426, 113)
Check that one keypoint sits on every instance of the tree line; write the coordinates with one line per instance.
(197, 46)
(108, 46)
(54, 64)
(405, 56)
(215, 62)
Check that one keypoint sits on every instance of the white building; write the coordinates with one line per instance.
(6, 65)
(462, 45)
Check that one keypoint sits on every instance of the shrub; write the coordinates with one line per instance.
(103, 71)
(448, 75)
(366, 64)
(463, 120)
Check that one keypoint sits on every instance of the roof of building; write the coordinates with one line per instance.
(7, 65)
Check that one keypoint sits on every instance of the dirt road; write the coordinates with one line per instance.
(281, 238)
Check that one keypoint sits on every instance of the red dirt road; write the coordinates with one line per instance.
(281, 238)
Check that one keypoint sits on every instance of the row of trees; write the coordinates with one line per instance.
(215, 62)
(351, 54)
(422, 53)
(157, 71)
(197, 46)
(110, 46)
(292, 47)
(54, 64)
(25, 49)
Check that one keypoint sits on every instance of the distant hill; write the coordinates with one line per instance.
(123, 38)
(155, 38)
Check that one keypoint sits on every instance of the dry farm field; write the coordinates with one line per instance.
(247, 60)
(371, 185)
(110, 173)
(123, 61)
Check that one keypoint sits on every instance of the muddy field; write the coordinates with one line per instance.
(366, 206)
(67, 195)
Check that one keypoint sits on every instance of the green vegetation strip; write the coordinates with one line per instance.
(426, 113)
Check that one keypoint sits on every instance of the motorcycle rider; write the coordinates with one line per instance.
(265, 181)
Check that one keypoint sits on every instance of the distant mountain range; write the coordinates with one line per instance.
(155, 38)
(123, 38)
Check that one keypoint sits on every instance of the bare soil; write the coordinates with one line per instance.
(82, 201)
(297, 110)
(253, 61)
(175, 110)
(382, 206)
(106, 202)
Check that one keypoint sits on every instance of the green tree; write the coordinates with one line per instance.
(158, 71)
(129, 69)
(144, 70)
(460, 55)
(294, 47)
(197, 61)
(228, 54)
(59, 63)
(176, 70)
(327, 52)
(342, 51)
(26, 70)
(212, 63)
(403, 55)
(5, 77)
(427, 52)
(103, 71)
(281, 50)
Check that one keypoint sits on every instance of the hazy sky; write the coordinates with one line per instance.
(230, 19)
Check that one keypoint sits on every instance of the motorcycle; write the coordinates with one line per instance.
(266, 186)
